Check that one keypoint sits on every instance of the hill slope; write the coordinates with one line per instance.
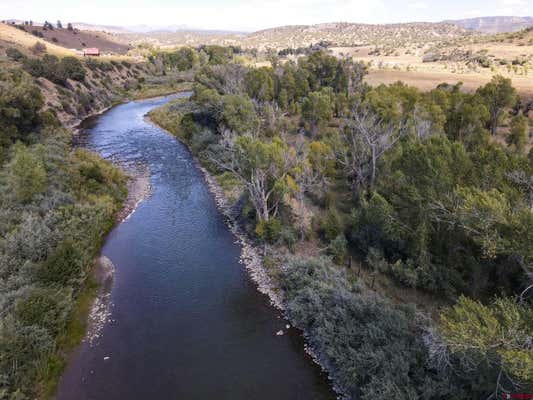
(11, 36)
(64, 38)
(341, 34)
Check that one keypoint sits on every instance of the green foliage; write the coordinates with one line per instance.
(260, 84)
(317, 110)
(322, 69)
(338, 249)
(72, 68)
(331, 224)
(183, 59)
(56, 206)
(438, 197)
(44, 307)
(498, 334)
(238, 114)
(269, 231)
(369, 346)
(61, 266)
(218, 54)
(518, 135)
(15, 54)
(373, 225)
(393, 102)
(20, 103)
(466, 114)
(264, 170)
(497, 95)
(27, 174)
(448, 211)
(54, 69)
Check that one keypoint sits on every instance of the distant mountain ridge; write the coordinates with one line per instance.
(498, 24)
(147, 28)
(294, 36)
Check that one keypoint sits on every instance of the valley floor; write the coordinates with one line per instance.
(427, 80)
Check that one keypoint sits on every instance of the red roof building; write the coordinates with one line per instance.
(92, 51)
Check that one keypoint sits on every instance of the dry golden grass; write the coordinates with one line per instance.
(428, 80)
(18, 38)
(13, 37)
(407, 63)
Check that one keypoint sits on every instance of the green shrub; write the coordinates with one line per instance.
(44, 307)
(331, 224)
(27, 174)
(20, 103)
(269, 231)
(62, 266)
(15, 54)
(338, 249)
(371, 347)
(72, 68)
(289, 238)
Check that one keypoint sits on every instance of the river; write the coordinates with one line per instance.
(186, 321)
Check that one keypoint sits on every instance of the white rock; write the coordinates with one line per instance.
(287, 326)
(106, 358)
(280, 332)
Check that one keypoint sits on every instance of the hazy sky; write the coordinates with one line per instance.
(256, 14)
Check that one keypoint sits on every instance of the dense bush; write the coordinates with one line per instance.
(54, 69)
(269, 231)
(182, 59)
(20, 103)
(73, 68)
(56, 206)
(15, 54)
(425, 209)
(372, 348)
(218, 54)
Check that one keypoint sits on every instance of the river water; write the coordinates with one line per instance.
(186, 321)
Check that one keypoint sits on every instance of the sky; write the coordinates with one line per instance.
(250, 15)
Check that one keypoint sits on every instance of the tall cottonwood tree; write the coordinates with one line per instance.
(262, 167)
(365, 140)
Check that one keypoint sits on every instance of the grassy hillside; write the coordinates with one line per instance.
(340, 34)
(11, 36)
(62, 41)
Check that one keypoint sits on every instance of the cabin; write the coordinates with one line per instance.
(92, 52)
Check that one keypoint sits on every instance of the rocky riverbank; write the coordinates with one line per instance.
(139, 189)
(252, 258)
(100, 313)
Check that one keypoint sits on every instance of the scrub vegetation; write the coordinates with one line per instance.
(56, 204)
(397, 223)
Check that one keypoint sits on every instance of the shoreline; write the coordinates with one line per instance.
(102, 271)
(139, 188)
(252, 259)
(75, 124)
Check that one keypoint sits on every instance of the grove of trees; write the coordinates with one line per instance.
(412, 184)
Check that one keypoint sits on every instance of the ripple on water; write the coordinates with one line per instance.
(188, 322)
